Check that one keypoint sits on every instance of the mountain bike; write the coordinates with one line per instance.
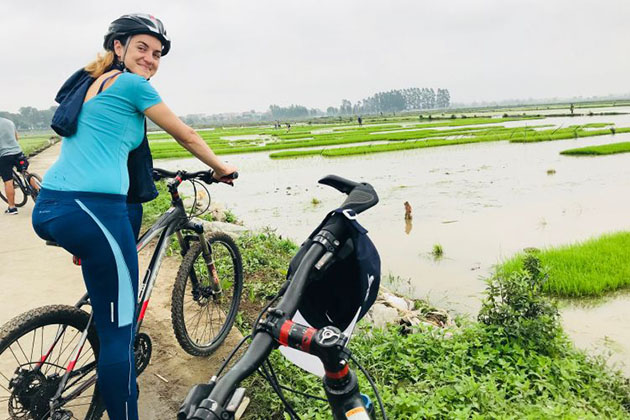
(25, 184)
(48, 355)
(221, 397)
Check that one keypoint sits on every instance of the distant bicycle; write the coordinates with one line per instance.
(25, 183)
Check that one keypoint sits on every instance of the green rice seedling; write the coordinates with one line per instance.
(437, 251)
(605, 149)
(589, 268)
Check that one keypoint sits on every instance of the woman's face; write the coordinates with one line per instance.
(143, 54)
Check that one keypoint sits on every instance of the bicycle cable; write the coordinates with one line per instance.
(304, 394)
(369, 378)
(227, 360)
(194, 205)
(273, 381)
(295, 391)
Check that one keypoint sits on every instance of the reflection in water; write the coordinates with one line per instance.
(408, 217)
(408, 226)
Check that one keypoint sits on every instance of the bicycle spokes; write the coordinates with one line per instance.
(47, 362)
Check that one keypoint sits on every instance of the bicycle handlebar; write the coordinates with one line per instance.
(206, 176)
(208, 402)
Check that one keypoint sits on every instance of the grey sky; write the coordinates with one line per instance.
(236, 55)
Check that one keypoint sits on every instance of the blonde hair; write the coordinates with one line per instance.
(102, 63)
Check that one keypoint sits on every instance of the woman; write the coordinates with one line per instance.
(82, 205)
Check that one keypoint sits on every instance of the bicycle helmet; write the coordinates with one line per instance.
(348, 287)
(134, 24)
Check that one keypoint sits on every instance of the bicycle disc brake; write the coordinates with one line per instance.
(142, 349)
(31, 394)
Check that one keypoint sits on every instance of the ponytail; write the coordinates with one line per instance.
(101, 64)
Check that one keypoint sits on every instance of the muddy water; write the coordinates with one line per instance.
(481, 203)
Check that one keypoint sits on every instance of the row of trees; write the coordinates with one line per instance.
(29, 118)
(395, 101)
(292, 111)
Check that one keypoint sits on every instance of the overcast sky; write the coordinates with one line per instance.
(237, 55)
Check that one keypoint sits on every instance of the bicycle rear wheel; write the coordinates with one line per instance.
(20, 194)
(25, 391)
(31, 179)
(201, 317)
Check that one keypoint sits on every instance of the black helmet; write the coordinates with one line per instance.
(134, 24)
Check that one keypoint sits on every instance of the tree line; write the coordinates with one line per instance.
(395, 101)
(29, 118)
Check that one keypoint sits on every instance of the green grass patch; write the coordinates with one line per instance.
(605, 149)
(33, 144)
(585, 269)
(566, 133)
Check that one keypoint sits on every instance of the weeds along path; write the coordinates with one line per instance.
(33, 274)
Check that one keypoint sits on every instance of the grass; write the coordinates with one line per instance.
(473, 374)
(587, 269)
(153, 209)
(31, 145)
(605, 149)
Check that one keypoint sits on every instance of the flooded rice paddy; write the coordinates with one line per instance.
(481, 202)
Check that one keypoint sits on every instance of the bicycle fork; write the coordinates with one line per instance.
(206, 253)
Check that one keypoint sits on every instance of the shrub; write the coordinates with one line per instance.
(515, 305)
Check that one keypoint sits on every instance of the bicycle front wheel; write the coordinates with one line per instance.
(35, 184)
(27, 385)
(201, 315)
(20, 194)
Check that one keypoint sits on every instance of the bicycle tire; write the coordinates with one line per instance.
(14, 338)
(38, 180)
(224, 306)
(20, 194)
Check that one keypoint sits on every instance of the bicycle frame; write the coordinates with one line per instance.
(174, 220)
(21, 181)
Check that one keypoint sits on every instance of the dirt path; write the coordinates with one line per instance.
(33, 274)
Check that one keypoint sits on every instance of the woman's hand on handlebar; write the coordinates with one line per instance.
(224, 173)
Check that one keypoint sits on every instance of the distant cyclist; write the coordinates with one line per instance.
(82, 205)
(10, 155)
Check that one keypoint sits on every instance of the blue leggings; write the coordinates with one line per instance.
(96, 228)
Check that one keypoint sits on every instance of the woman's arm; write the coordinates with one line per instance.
(188, 138)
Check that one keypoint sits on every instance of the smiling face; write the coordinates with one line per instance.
(142, 56)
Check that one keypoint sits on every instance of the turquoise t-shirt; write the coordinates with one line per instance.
(110, 125)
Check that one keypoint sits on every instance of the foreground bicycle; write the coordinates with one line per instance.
(25, 184)
(48, 355)
(220, 398)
